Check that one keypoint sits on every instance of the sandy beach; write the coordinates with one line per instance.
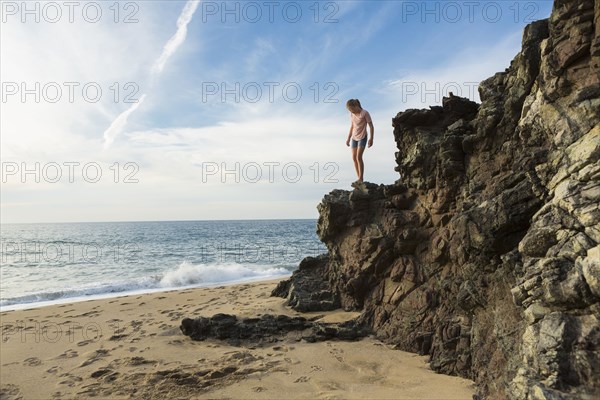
(132, 347)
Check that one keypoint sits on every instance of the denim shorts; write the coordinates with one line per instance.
(359, 143)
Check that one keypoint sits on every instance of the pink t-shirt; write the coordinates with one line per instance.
(359, 124)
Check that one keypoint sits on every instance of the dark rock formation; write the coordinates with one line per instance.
(485, 255)
(268, 328)
(309, 290)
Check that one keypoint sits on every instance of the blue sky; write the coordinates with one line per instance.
(166, 156)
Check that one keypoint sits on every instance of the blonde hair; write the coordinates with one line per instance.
(353, 103)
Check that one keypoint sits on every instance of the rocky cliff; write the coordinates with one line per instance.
(485, 254)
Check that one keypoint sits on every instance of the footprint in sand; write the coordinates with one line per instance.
(68, 354)
(135, 361)
(108, 374)
(136, 325)
(337, 353)
(84, 342)
(302, 379)
(115, 325)
(242, 358)
(71, 380)
(87, 314)
(117, 337)
(315, 368)
(94, 356)
(90, 390)
(10, 392)
(32, 362)
(7, 331)
(147, 348)
(291, 361)
(331, 386)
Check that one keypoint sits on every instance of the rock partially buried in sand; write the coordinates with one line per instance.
(268, 328)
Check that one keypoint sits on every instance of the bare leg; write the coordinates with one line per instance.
(355, 159)
(361, 164)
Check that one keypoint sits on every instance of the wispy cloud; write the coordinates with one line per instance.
(260, 55)
(119, 123)
(117, 126)
(178, 38)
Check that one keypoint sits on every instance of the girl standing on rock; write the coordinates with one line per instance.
(358, 135)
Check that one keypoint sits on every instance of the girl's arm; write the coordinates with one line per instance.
(349, 136)
(372, 128)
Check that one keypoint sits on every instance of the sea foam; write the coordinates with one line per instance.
(184, 275)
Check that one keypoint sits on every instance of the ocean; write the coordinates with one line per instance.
(57, 262)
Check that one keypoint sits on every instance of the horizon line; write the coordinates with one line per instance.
(175, 220)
